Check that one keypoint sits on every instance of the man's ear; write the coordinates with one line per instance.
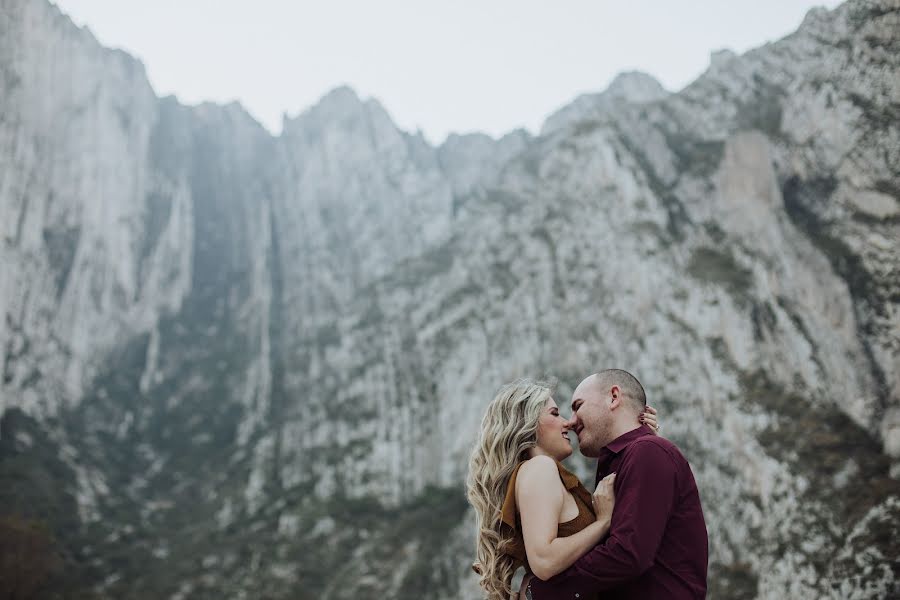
(615, 397)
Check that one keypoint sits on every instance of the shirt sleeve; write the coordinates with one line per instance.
(645, 494)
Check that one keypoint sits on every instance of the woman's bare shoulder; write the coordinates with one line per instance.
(538, 470)
(538, 486)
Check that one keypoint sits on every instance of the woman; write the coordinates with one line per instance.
(521, 520)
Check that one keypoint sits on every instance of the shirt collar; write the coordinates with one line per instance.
(569, 479)
(625, 440)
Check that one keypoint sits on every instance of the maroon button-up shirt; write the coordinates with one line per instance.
(657, 545)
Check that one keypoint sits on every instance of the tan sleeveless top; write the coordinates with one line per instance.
(509, 513)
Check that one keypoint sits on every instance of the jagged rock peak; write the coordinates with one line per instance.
(339, 105)
(25, 23)
(629, 87)
(224, 113)
(473, 159)
(814, 15)
(341, 98)
(636, 86)
(719, 58)
(455, 140)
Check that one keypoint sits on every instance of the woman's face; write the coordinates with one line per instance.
(553, 432)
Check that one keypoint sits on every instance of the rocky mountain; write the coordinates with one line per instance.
(247, 366)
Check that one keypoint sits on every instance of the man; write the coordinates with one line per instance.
(657, 544)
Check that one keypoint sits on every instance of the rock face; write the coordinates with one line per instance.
(246, 366)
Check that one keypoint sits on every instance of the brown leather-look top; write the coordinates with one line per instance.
(509, 513)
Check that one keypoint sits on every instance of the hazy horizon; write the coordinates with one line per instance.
(438, 68)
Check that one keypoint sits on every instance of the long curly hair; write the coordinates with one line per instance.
(508, 431)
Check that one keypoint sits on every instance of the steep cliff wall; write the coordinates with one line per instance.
(244, 365)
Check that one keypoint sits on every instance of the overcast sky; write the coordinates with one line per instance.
(439, 66)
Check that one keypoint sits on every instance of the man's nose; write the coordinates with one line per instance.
(570, 424)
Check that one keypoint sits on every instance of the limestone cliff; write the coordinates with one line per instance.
(251, 366)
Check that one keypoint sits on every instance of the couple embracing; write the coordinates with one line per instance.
(639, 535)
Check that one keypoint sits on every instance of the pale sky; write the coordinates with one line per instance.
(438, 66)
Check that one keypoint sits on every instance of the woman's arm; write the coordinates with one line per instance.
(540, 495)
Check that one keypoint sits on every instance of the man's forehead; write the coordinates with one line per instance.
(586, 386)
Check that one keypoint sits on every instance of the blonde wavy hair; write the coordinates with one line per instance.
(508, 431)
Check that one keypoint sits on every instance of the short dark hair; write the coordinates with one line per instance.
(626, 382)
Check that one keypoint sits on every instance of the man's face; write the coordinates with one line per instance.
(592, 419)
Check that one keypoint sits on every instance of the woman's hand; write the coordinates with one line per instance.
(604, 498)
(648, 417)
